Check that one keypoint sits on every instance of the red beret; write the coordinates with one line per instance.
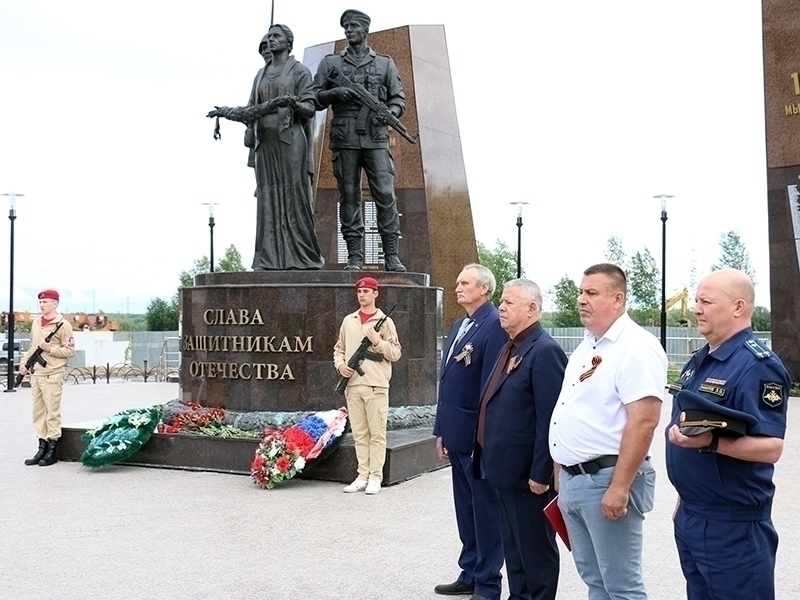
(52, 294)
(367, 282)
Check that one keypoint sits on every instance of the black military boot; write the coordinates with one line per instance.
(355, 255)
(50, 457)
(34, 460)
(391, 262)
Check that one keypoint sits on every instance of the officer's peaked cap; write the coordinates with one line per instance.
(698, 411)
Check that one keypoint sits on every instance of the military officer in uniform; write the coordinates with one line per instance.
(723, 527)
(360, 140)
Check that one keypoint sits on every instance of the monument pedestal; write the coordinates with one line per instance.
(263, 341)
(409, 452)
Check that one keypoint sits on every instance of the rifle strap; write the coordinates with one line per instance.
(361, 120)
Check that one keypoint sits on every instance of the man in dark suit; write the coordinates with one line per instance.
(511, 449)
(473, 345)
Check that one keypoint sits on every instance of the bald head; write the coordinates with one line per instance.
(735, 284)
(724, 305)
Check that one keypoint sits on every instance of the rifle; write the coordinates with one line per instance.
(372, 103)
(36, 357)
(358, 356)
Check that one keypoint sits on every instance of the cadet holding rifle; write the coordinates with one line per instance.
(361, 354)
(368, 394)
(359, 138)
(52, 334)
(36, 358)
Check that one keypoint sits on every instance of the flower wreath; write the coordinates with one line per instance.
(283, 453)
(120, 436)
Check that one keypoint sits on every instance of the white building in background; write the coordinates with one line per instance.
(100, 348)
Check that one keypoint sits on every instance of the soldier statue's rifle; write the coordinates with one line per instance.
(36, 357)
(372, 103)
(360, 354)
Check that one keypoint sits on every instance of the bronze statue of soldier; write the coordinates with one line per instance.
(360, 143)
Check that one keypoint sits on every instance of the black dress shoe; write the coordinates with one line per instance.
(454, 589)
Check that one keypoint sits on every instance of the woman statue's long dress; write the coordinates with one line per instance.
(278, 117)
(285, 235)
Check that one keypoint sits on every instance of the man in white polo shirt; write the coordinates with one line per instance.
(600, 434)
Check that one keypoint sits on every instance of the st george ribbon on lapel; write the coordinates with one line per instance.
(465, 325)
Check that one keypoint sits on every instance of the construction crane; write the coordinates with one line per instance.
(680, 298)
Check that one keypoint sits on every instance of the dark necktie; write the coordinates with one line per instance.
(494, 380)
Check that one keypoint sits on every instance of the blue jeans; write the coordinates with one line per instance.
(607, 554)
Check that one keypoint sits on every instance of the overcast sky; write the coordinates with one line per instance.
(583, 109)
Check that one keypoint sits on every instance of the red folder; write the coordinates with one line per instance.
(556, 519)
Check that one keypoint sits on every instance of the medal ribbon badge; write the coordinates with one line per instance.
(596, 360)
(513, 363)
(465, 353)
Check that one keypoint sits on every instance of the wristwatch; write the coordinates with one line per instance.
(712, 447)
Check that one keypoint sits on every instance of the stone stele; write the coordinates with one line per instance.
(781, 22)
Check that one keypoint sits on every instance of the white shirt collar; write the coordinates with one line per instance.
(613, 332)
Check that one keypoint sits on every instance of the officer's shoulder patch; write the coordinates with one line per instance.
(772, 393)
(757, 347)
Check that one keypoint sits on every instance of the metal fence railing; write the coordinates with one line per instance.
(682, 342)
(162, 349)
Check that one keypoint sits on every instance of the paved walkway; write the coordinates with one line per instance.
(136, 533)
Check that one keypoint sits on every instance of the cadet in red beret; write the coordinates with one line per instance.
(367, 282)
(47, 374)
(51, 294)
(367, 392)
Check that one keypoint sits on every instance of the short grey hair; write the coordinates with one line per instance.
(531, 292)
(483, 276)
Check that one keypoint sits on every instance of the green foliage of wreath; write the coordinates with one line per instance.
(119, 437)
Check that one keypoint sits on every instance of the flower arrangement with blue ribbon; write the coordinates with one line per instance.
(283, 453)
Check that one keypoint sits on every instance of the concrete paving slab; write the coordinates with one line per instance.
(137, 533)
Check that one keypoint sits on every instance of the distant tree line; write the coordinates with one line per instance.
(644, 285)
(162, 314)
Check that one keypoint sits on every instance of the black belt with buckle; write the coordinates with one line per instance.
(591, 467)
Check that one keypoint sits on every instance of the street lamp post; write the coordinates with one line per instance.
(211, 206)
(663, 198)
(519, 206)
(12, 216)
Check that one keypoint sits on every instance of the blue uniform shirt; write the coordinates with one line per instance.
(744, 375)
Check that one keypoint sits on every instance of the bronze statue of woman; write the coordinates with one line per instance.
(281, 104)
